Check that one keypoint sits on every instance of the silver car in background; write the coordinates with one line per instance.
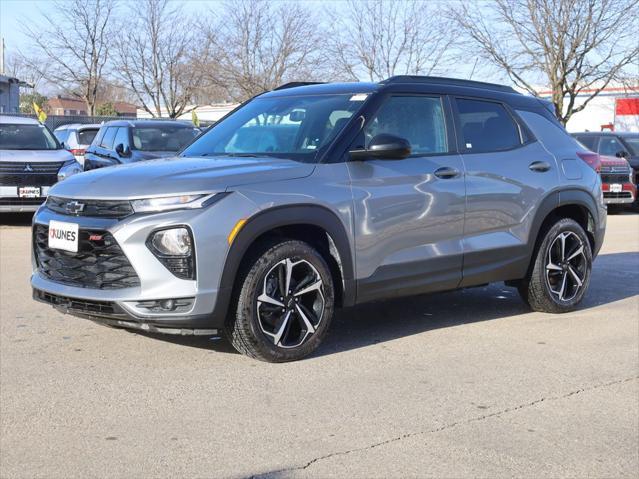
(76, 137)
(31, 161)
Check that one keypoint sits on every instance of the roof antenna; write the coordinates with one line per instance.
(473, 70)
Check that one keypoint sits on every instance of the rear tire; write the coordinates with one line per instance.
(560, 274)
(284, 305)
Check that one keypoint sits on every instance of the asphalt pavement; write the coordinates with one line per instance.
(461, 384)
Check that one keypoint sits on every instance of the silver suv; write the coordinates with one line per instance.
(317, 196)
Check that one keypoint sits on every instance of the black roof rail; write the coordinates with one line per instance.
(294, 84)
(448, 81)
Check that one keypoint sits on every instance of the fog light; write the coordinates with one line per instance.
(174, 248)
(174, 242)
(167, 304)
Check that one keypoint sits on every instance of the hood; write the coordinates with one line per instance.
(35, 156)
(613, 161)
(175, 176)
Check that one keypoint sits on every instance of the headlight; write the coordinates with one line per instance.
(174, 248)
(69, 168)
(168, 203)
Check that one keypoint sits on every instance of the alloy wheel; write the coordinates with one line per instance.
(291, 304)
(567, 266)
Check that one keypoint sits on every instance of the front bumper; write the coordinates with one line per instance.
(136, 307)
(10, 202)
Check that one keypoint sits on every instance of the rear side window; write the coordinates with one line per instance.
(419, 119)
(553, 136)
(486, 126)
(609, 146)
(589, 142)
(86, 136)
(107, 139)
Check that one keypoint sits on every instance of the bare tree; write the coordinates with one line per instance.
(157, 55)
(573, 46)
(377, 39)
(18, 66)
(257, 45)
(70, 46)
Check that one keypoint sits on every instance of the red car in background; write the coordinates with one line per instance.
(617, 182)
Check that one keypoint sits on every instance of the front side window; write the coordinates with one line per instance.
(633, 144)
(486, 126)
(609, 146)
(162, 137)
(26, 137)
(121, 137)
(295, 127)
(418, 119)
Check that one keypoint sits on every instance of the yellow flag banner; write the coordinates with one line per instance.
(42, 116)
(195, 119)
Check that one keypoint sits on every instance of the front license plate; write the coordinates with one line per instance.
(29, 192)
(63, 236)
(615, 188)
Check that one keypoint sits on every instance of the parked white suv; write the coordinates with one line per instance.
(31, 161)
(76, 137)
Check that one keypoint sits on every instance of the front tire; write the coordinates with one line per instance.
(560, 275)
(285, 303)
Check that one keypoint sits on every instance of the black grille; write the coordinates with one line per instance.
(615, 177)
(77, 305)
(94, 208)
(98, 264)
(13, 173)
(14, 201)
(622, 195)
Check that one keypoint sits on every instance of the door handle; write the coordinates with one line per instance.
(539, 166)
(446, 172)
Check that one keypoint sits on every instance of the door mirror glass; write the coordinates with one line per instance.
(123, 151)
(384, 147)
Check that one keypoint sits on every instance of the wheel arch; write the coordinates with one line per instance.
(304, 222)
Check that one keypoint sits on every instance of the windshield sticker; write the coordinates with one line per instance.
(359, 97)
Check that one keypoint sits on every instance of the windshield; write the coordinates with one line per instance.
(162, 138)
(26, 137)
(295, 127)
(633, 144)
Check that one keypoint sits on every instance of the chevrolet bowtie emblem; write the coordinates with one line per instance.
(74, 207)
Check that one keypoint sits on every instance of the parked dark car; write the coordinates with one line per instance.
(614, 143)
(125, 141)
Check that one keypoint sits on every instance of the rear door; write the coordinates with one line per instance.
(409, 213)
(508, 174)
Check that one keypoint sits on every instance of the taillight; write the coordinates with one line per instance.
(591, 158)
(77, 152)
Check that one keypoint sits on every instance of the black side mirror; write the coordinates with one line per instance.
(384, 147)
(123, 151)
(622, 154)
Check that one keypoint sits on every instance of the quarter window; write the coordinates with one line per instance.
(486, 126)
(418, 119)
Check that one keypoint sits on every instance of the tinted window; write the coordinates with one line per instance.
(609, 146)
(122, 137)
(550, 132)
(589, 142)
(296, 127)
(86, 136)
(419, 119)
(109, 136)
(26, 137)
(486, 126)
(162, 138)
(633, 144)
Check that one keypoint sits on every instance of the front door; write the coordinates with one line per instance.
(409, 213)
